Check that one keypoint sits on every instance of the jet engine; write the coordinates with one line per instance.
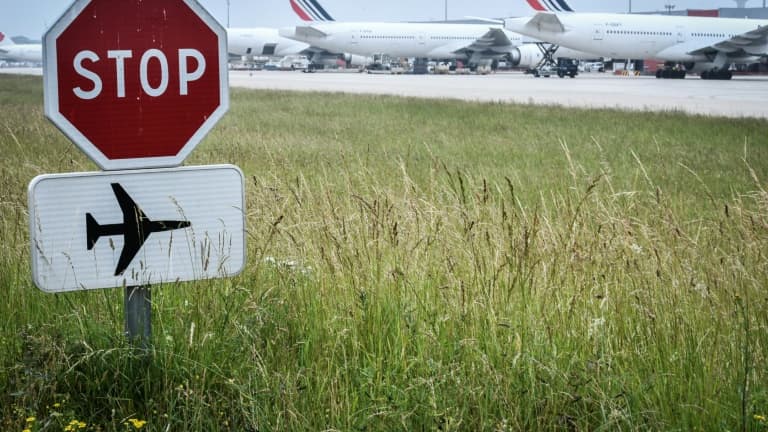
(354, 60)
(333, 60)
(527, 56)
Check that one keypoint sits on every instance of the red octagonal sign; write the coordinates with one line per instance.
(135, 83)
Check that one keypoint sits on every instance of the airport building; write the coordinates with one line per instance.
(735, 12)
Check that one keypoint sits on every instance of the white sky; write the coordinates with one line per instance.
(32, 17)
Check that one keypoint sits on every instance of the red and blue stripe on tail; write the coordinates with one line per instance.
(310, 10)
(550, 5)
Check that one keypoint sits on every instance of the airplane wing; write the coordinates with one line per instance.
(135, 234)
(313, 51)
(308, 32)
(492, 42)
(316, 54)
(130, 249)
(753, 43)
(546, 21)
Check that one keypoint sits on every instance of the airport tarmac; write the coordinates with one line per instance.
(740, 97)
(22, 71)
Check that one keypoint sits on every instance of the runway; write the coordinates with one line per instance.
(740, 97)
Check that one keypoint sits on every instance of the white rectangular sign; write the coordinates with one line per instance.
(123, 228)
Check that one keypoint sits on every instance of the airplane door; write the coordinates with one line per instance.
(680, 34)
(597, 34)
(355, 37)
(422, 38)
(268, 49)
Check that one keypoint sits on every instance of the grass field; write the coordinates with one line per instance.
(421, 265)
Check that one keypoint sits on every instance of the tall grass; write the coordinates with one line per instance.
(422, 265)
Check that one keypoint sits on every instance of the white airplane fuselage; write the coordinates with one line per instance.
(262, 41)
(22, 53)
(661, 37)
(431, 40)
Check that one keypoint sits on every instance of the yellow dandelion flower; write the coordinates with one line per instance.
(27, 430)
(138, 424)
(760, 418)
(56, 405)
(31, 419)
(81, 425)
(68, 428)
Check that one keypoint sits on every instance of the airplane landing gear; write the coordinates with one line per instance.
(717, 74)
(670, 73)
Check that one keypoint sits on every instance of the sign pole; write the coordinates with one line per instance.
(138, 315)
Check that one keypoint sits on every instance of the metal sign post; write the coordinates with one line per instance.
(138, 315)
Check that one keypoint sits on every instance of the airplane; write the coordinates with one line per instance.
(686, 44)
(135, 229)
(248, 43)
(261, 41)
(12, 51)
(477, 44)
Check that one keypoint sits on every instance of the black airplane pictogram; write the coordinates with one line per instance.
(135, 229)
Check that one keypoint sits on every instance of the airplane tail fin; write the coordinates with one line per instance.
(310, 10)
(550, 5)
(92, 230)
(5, 40)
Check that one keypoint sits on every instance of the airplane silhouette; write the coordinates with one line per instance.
(135, 229)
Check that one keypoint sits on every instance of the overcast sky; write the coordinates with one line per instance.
(32, 17)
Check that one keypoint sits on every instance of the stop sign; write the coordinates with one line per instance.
(135, 83)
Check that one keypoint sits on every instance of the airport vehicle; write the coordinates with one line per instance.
(593, 67)
(567, 67)
(14, 52)
(294, 62)
(563, 67)
(686, 44)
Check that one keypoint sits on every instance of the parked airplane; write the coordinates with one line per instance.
(476, 44)
(20, 52)
(249, 43)
(261, 42)
(135, 229)
(686, 44)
